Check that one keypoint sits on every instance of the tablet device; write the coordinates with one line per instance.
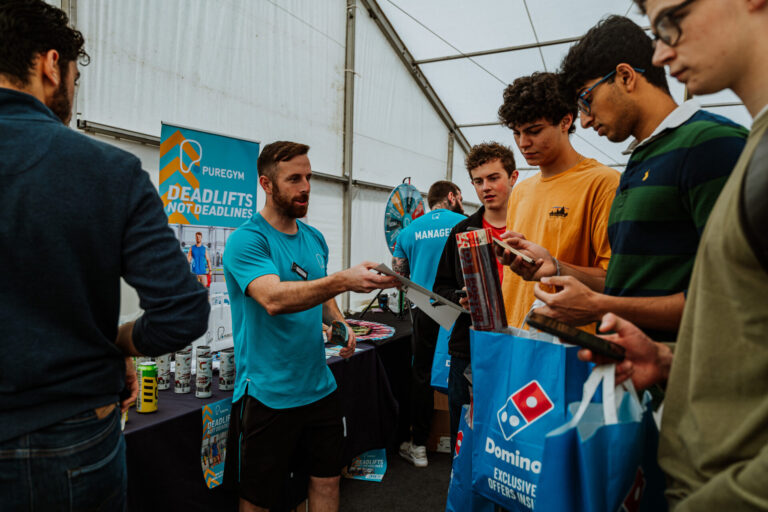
(575, 336)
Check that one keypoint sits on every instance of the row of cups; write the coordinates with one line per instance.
(203, 371)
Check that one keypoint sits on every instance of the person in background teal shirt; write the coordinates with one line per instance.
(284, 399)
(417, 253)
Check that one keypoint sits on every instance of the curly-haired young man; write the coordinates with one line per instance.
(680, 160)
(564, 207)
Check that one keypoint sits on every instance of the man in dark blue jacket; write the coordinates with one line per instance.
(76, 215)
(491, 167)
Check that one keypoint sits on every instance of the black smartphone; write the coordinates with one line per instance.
(460, 293)
(575, 336)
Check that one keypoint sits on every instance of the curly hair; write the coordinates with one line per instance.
(487, 152)
(614, 40)
(29, 28)
(534, 97)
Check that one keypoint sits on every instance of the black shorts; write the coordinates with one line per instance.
(270, 444)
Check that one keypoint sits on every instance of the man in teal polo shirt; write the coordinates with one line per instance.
(284, 400)
(417, 254)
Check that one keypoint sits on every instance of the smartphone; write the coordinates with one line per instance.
(460, 293)
(339, 333)
(514, 251)
(575, 336)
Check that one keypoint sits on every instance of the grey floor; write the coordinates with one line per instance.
(403, 489)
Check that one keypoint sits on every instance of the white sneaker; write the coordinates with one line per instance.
(416, 455)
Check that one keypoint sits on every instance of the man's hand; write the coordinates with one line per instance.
(131, 383)
(575, 304)
(464, 300)
(347, 351)
(360, 278)
(543, 265)
(646, 361)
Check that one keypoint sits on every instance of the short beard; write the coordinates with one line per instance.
(60, 103)
(286, 206)
(456, 207)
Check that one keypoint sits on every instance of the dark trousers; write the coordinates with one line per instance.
(423, 343)
(458, 393)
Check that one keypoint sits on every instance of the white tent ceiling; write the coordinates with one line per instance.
(436, 32)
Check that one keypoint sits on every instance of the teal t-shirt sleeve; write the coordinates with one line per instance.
(399, 251)
(248, 258)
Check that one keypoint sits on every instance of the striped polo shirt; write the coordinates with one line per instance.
(663, 201)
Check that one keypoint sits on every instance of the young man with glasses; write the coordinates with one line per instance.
(564, 207)
(714, 441)
(681, 158)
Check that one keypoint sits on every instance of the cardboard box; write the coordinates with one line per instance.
(441, 428)
(441, 401)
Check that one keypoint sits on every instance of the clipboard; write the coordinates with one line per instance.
(435, 306)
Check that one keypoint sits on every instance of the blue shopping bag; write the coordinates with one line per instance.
(522, 384)
(604, 458)
(461, 498)
(441, 363)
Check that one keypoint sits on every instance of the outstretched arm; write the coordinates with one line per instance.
(544, 264)
(280, 297)
(577, 304)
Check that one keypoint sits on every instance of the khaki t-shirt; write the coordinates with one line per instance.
(567, 214)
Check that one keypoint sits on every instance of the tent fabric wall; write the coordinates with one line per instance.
(255, 70)
(368, 243)
(397, 131)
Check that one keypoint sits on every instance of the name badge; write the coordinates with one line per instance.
(300, 271)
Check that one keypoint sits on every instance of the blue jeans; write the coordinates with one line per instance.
(76, 464)
(458, 394)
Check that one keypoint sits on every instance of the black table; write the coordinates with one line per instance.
(163, 448)
(395, 354)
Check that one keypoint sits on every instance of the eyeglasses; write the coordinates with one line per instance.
(585, 97)
(666, 26)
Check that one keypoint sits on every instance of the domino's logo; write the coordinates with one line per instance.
(459, 439)
(635, 495)
(523, 407)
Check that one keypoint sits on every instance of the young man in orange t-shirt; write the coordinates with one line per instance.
(563, 208)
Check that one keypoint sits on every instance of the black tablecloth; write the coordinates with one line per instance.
(163, 448)
(395, 354)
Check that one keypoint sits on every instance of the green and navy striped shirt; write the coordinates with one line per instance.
(663, 201)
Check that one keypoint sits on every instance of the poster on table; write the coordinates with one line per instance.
(371, 466)
(213, 450)
(208, 185)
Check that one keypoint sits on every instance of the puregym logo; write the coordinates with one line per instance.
(523, 407)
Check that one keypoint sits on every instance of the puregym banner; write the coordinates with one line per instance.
(207, 179)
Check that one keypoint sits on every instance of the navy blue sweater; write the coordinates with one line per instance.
(76, 215)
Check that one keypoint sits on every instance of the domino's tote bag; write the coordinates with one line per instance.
(522, 385)
(441, 363)
(461, 498)
(604, 458)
